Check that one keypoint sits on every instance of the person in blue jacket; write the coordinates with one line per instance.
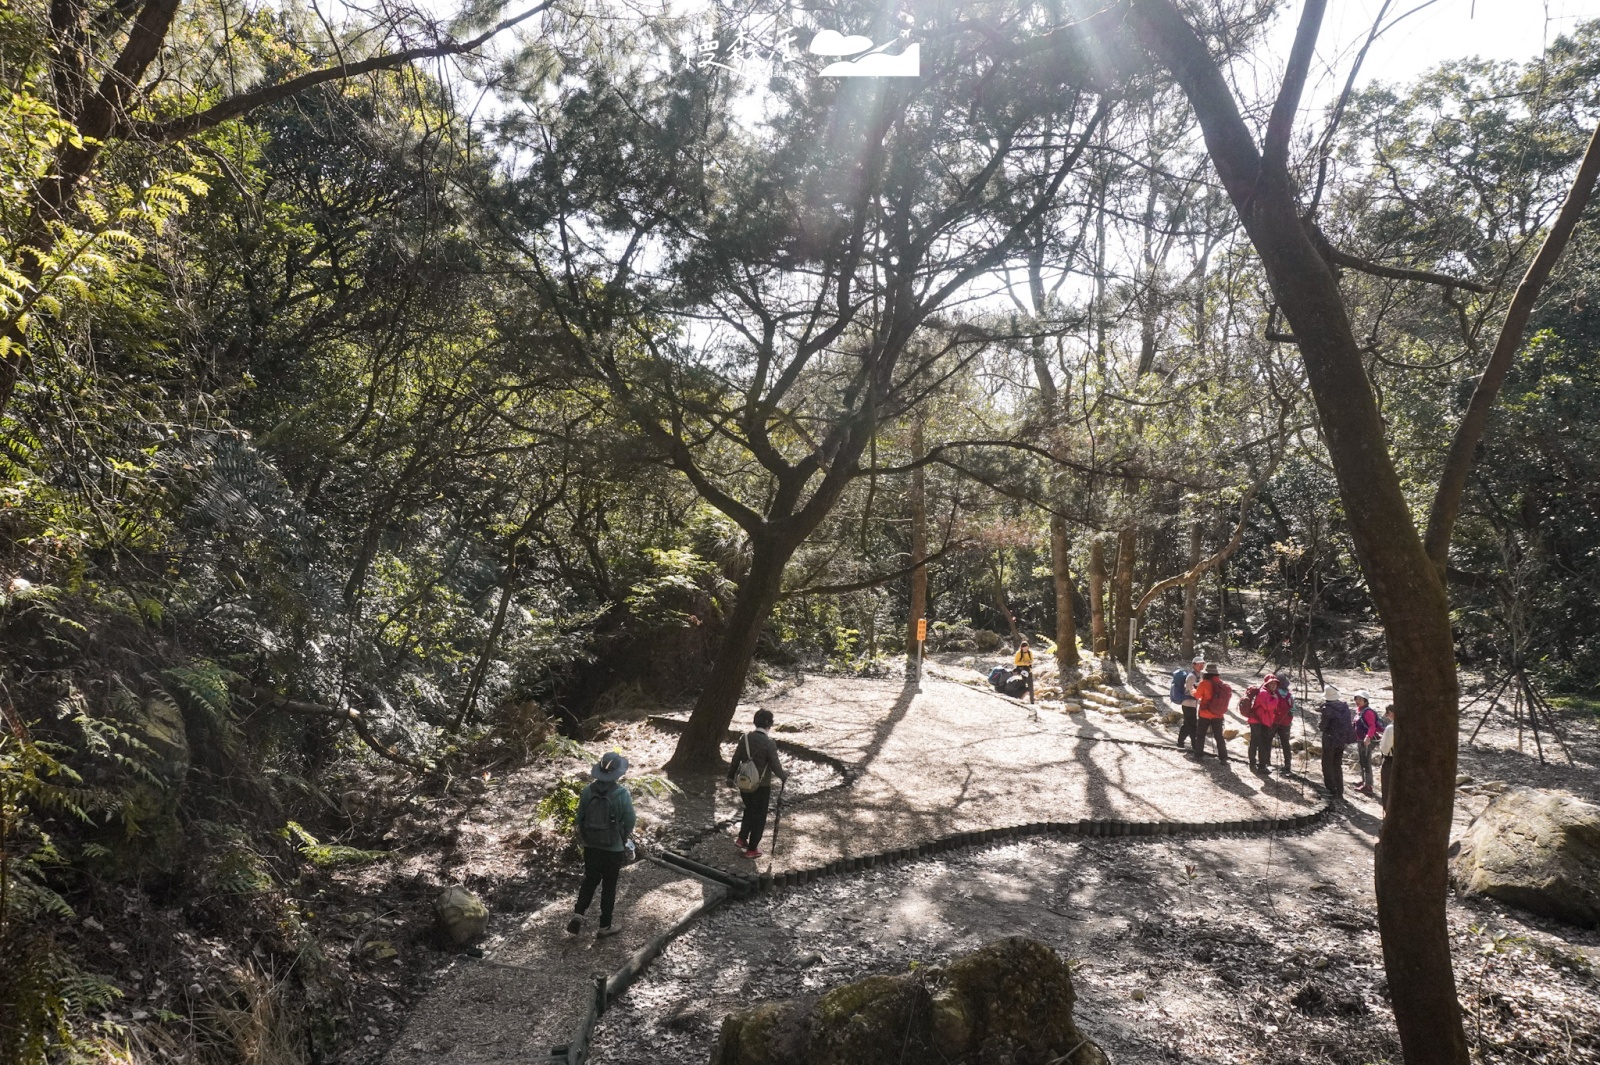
(605, 829)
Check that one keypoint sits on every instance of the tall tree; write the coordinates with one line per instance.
(1406, 582)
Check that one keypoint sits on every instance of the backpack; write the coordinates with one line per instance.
(1343, 727)
(998, 677)
(1247, 703)
(597, 822)
(1178, 692)
(1016, 686)
(747, 776)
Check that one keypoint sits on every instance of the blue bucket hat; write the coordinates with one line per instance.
(611, 766)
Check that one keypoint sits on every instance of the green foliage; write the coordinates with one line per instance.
(331, 854)
(43, 993)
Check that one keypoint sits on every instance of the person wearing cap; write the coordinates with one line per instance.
(1338, 731)
(1368, 730)
(1212, 695)
(1284, 724)
(605, 829)
(756, 746)
(1189, 731)
(1386, 752)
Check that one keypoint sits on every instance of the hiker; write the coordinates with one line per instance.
(1368, 729)
(1284, 726)
(1386, 752)
(1022, 662)
(605, 828)
(755, 763)
(1184, 682)
(1337, 732)
(1261, 706)
(1212, 696)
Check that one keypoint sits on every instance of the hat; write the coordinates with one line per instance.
(1271, 678)
(1197, 658)
(1362, 695)
(1212, 670)
(1331, 694)
(611, 766)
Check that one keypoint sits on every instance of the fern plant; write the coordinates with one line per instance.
(42, 992)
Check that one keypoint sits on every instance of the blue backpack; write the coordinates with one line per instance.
(1180, 681)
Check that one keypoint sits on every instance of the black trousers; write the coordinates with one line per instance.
(754, 822)
(1281, 734)
(1333, 768)
(600, 870)
(1385, 771)
(1189, 730)
(1260, 746)
(1212, 725)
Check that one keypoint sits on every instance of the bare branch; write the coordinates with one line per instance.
(1275, 148)
(1458, 463)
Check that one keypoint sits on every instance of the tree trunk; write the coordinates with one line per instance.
(1122, 593)
(1066, 621)
(1097, 595)
(919, 539)
(1405, 585)
(1191, 591)
(699, 749)
(997, 578)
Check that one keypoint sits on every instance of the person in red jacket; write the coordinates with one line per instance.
(1262, 706)
(1284, 725)
(1213, 695)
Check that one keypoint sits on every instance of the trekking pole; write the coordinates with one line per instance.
(777, 822)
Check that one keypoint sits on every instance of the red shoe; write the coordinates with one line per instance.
(741, 844)
(751, 852)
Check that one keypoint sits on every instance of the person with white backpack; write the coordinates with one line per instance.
(605, 829)
(755, 764)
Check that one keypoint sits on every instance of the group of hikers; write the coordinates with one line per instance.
(1268, 708)
(605, 818)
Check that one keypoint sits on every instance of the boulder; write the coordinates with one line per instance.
(1009, 1002)
(1536, 850)
(986, 639)
(462, 915)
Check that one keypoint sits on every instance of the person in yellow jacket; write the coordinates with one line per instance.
(1022, 662)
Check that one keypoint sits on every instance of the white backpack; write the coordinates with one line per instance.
(748, 777)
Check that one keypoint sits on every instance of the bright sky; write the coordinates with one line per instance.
(1442, 30)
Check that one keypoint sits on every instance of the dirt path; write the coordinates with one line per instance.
(921, 764)
(1194, 947)
(1198, 951)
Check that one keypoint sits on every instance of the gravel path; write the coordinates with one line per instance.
(951, 758)
(1193, 948)
(532, 986)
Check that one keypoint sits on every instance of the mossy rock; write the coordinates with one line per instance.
(1538, 851)
(1009, 1002)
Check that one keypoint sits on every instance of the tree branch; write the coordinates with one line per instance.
(1275, 147)
(873, 582)
(1464, 445)
(234, 106)
(1398, 273)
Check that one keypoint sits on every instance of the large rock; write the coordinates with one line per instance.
(461, 914)
(986, 639)
(1009, 1003)
(1538, 851)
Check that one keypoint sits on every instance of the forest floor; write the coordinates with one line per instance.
(1229, 949)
